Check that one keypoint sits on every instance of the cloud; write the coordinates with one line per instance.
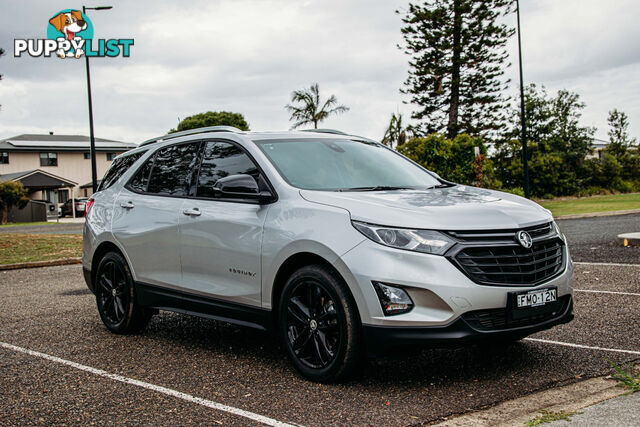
(248, 55)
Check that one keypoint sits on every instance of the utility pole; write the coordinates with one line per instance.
(94, 172)
(525, 154)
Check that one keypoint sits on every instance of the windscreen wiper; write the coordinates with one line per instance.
(440, 186)
(377, 188)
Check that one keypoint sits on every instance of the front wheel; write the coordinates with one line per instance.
(115, 296)
(318, 324)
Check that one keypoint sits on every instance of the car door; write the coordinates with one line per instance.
(221, 238)
(147, 212)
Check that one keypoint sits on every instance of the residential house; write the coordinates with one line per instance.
(56, 167)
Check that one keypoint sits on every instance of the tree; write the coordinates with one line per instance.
(11, 194)
(458, 57)
(557, 140)
(619, 139)
(396, 134)
(310, 109)
(212, 118)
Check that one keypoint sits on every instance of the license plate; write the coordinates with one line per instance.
(536, 298)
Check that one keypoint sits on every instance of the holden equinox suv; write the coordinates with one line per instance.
(338, 245)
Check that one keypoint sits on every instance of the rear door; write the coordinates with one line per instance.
(221, 238)
(147, 211)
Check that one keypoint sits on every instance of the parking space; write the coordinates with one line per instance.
(180, 359)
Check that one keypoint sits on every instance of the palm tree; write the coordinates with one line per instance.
(395, 134)
(309, 111)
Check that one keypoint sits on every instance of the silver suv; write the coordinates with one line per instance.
(337, 244)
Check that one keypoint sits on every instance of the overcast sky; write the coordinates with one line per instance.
(248, 55)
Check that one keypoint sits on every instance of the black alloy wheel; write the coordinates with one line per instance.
(112, 292)
(115, 296)
(319, 324)
(312, 324)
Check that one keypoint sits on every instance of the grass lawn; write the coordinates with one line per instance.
(618, 202)
(20, 224)
(17, 247)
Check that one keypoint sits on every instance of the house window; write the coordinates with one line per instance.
(63, 196)
(49, 195)
(87, 156)
(110, 156)
(4, 158)
(48, 159)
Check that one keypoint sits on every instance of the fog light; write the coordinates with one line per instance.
(392, 299)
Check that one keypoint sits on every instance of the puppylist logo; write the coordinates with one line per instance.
(70, 35)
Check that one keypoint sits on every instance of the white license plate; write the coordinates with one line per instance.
(536, 298)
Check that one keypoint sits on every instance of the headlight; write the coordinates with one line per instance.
(425, 241)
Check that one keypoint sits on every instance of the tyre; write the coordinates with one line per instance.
(318, 324)
(115, 296)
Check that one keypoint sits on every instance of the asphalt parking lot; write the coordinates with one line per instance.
(593, 239)
(60, 365)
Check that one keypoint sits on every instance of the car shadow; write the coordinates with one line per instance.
(416, 367)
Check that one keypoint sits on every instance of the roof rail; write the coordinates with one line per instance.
(332, 131)
(338, 132)
(191, 132)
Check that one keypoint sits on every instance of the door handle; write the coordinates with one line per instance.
(192, 212)
(127, 205)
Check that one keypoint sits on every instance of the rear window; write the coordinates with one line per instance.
(118, 167)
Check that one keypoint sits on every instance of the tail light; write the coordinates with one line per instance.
(88, 207)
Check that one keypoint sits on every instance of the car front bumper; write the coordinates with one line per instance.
(444, 298)
(382, 339)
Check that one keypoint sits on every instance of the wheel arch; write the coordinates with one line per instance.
(102, 249)
(295, 262)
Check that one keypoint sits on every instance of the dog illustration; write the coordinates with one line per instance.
(69, 24)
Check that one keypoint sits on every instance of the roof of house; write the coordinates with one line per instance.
(34, 142)
(90, 184)
(37, 179)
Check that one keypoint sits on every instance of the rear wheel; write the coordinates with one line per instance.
(319, 325)
(115, 296)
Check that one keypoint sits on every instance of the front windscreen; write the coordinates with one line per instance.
(343, 165)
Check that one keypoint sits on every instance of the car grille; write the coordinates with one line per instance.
(536, 231)
(511, 264)
(497, 319)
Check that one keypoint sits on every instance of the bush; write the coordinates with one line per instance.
(549, 173)
(453, 159)
(592, 191)
(11, 194)
(518, 191)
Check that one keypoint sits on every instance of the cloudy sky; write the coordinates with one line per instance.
(248, 55)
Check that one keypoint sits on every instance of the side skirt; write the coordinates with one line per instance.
(197, 305)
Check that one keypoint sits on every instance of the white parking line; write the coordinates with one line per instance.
(611, 264)
(607, 292)
(568, 344)
(164, 390)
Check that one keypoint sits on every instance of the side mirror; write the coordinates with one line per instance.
(241, 186)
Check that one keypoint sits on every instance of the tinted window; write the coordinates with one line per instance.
(141, 178)
(221, 159)
(118, 167)
(173, 169)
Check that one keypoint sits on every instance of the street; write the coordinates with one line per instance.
(179, 368)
